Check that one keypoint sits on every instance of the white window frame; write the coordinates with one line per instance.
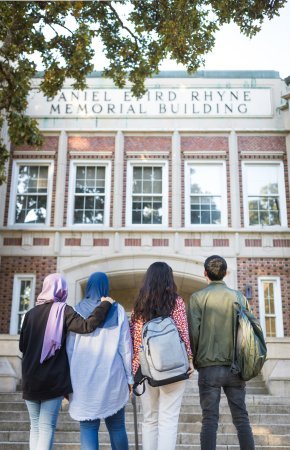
(277, 303)
(13, 192)
(281, 193)
(129, 194)
(224, 199)
(72, 180)
(16, 298)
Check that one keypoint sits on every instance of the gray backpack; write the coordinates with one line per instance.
(163, 357)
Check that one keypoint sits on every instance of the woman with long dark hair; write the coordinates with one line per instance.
(161, 405)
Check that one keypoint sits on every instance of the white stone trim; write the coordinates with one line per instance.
(90, 153)
(204, 153)
(147, 153)
(35, 153)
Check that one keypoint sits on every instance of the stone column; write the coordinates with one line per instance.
(118, 180)
(176, 181)
(234, 181)
(59, 219)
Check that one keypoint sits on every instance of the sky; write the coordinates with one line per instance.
(268, 50)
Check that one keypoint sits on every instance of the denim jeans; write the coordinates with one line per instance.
(43, 417)
(116, 426)
(210, 381)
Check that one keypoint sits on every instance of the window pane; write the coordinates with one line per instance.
(147, 208)
(270, 326)
(89, 207)
(148, 173)
(24, 300)
(32, 208)
(262, 179)
(202, 177)
(205, 210)
(25, 291)
(147, 187)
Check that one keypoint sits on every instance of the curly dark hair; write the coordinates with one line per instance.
(157, 294)
(215, 267)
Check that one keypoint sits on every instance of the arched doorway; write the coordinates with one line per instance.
(126, 272)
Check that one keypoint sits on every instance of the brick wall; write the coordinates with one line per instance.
(249, 269)
(10, 266)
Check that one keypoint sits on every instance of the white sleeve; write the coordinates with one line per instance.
(125, 348)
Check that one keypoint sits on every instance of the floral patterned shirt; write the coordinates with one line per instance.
(178, 314)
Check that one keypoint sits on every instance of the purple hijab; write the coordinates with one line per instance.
(54, 291)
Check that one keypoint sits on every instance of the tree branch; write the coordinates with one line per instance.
(122, 24)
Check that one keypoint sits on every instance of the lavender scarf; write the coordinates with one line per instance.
(54, 291)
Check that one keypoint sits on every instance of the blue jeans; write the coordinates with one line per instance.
(43, 417)
(116, 426)
(210, 381)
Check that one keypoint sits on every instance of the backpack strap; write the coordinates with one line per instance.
(139, 383)
(236, 307)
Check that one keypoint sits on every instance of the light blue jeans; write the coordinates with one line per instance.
(43, 417)
(116, 426)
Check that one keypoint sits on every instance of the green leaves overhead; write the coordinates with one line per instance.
(136, 36)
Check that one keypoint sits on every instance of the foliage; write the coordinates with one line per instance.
(134, 45)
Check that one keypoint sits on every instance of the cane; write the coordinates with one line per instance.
(133, 399)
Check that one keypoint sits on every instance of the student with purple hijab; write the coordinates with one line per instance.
(45, 368)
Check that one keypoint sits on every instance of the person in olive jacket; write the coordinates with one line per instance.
(211, 322)
(45, 368)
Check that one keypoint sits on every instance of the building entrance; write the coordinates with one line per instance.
(124, 287)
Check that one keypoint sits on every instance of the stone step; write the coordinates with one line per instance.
(73, 426)
(192, 399)
(184, 417)
(186, 407)
(182, 438)
(69, 446)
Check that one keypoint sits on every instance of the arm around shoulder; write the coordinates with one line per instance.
(75, 322)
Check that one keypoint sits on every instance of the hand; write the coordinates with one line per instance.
(107, 299)
(130, 386)
(190, 368)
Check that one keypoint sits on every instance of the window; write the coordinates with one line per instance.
(205, 192)
(30, 193)
(264, 194)
(271, 306)
(23, 300)
(147, 189)
(90, 193)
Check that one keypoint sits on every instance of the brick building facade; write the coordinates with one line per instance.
(199, 166)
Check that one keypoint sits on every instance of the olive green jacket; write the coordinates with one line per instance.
(211, 321)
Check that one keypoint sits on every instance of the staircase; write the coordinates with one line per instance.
(269, 415)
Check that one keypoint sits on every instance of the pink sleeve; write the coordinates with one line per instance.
(179, 316)
(136, 330)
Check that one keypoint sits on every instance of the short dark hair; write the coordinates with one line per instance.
(215, 267)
